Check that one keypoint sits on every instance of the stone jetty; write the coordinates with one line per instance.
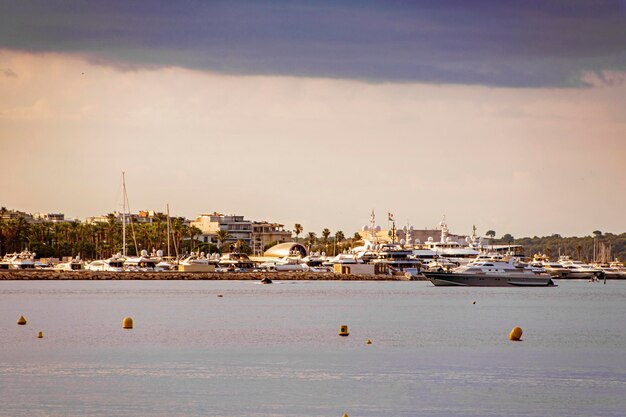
(34, 275)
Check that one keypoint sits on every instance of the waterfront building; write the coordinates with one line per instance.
(210, 224)
(144, 216)
(264, 233)
(49, 217)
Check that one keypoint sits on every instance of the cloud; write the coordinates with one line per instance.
(493, 43)
(603, 78)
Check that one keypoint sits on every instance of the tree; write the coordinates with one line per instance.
(507, 238)
(297, 229)
(312, 238)
(491, 233)
(222, 236)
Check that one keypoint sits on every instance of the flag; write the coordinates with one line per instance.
(390, 216)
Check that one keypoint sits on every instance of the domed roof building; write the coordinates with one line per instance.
(285, 249)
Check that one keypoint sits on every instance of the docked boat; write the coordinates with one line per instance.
(490, 274)
(554, 269)
(235, 262)
(112, 264)
(143, 262)
(197, 262)
(578, 269)
(74, 264)
(22, 260)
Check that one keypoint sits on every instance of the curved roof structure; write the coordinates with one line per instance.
(285, 249)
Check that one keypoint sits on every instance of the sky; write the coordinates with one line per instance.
(510, 116)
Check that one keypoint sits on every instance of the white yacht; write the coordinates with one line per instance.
(235, 262)
(578, 269)
(142, 263)
(491, 274)
(74, 264)
(554, 269)
(453, 250)
(112, 264)
(22, 260)
(287, 263)
(196, 262)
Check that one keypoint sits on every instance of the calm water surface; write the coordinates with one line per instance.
(273, 350)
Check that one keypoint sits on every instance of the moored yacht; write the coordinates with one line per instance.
(74, 264)
(235, 262)
(491, 274)
(197, 262)
(578, 269)
(22, 260)
(112, 264)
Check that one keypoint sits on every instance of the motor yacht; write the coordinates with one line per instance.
(112, 264)
(554, 269)
(235, 262)
(196, 262)
(578, 269)
(74, 264)
(491, 274)
(143, 262)
(22, 260)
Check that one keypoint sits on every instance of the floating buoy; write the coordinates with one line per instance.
(220, 295)
(21, 321)
(345, 415)
(343, 330)
(368, 342)
(473, 302)
(127, 323)
(516, 334)
(40, 335)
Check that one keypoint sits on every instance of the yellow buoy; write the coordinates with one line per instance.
(127, 323)
(368, 342)
(40, 335)
(21, 321)
(343, 330)
(345, 415)
(516, 334)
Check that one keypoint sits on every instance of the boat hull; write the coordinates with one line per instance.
(449, 279)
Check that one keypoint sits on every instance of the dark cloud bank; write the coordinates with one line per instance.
(496, 43)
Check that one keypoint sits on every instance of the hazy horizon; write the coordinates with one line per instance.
(513, 121)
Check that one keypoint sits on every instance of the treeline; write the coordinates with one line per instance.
(606, 245)
(97, 240)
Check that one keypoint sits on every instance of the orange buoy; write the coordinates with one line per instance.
(21, 321)
(516, 334)
(40, 335)
(343, 330)
(127, 323)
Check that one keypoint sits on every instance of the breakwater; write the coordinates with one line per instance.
(23, 275)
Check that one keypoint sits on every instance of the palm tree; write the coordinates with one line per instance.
(222, 236)
(325, 236)
(312, 239)
(297, 229)
(339, 237)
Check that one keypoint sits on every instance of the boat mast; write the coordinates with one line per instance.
(124, 214)
(168, 231)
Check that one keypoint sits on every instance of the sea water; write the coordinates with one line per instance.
(273, 350)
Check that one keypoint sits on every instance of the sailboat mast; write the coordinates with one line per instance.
(168, 231)
(124, 214)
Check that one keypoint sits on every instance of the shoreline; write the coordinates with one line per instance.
(39, 275)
